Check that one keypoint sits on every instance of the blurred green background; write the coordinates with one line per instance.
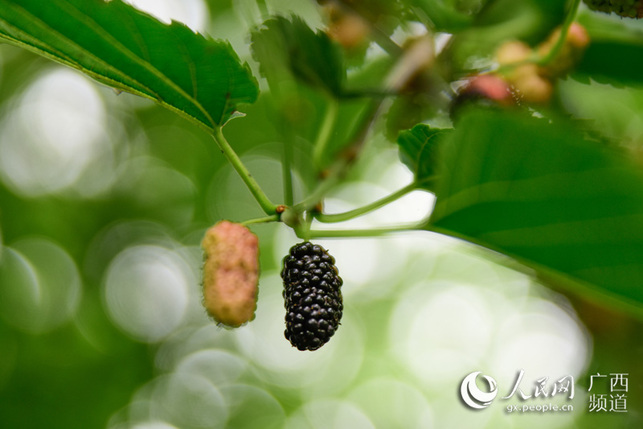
(104, 199)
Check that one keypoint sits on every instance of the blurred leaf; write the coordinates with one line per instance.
(369, 77)
(615, 53)
(119, 46)
(419, 150)
(538, 192)
(385, 15)
(306, 74)
(283, 46)
(611, 62)
(548, 13)
(441, 16)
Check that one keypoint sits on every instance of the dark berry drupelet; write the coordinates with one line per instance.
(312, 295)
(624, 8)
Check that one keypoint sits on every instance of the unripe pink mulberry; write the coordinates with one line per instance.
(230, 273)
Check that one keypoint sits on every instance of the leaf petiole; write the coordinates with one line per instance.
(267, 206)
(370, 232)
(325, 131)
(318, 193)
(351, 214)
(286, 171)
(266, 219)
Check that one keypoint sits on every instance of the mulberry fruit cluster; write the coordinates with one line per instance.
(312, 295)
(624, 8)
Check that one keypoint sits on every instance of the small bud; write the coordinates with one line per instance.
(513, 51)
(533, 88)
(230, 273)
(489, 90)
(489, 87)
(347, 28)
(577, 36)
(526, 78)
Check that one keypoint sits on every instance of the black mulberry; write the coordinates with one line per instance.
(312, 295)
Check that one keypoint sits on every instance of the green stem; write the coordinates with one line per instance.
(308, 221)
(360, 134)
(286, 171)
(323, 137)
(569, 19)
(273, 218)
(339, 167)
(341, 217)
(263, 8)
(374, 232)
(385, 42)
(322, 189)
(268, 207)
(299, 222)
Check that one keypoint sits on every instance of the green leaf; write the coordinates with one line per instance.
(538, 192)
(615, 63)
(615, 53)
(124, 48)
(291, 46)
(419, 150)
